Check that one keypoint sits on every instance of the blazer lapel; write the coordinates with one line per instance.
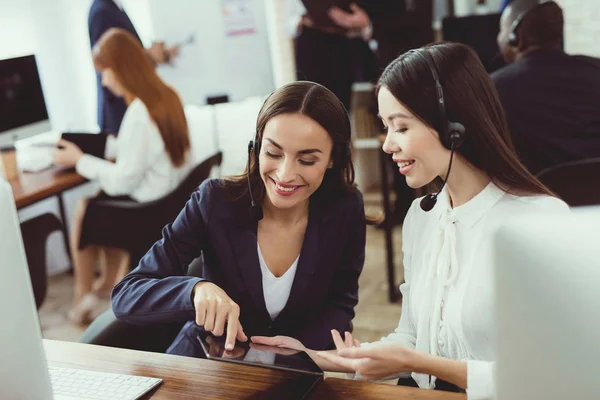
(243, 241)
(307, 264)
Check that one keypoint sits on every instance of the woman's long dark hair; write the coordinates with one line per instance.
(322, 106)
(472, 100)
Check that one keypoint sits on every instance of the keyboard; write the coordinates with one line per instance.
(34, 159)
(70, 384)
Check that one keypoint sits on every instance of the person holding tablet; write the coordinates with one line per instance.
(283, 244)
(152, 157)
(444, 121)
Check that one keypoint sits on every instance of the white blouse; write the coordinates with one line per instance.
(448, 294)
(143, 169)
(276, 289)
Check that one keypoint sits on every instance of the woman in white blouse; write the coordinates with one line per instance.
(152, 153)
(433, 100)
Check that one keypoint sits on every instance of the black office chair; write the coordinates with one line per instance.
(575, 182)
(35, 232)
(135, 227)
(139, 227)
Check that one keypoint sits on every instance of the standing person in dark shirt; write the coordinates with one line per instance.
(396, 26)
(103, 15)
(551, 99)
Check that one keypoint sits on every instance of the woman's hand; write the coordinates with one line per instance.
(277, 350)
(376, 361)
(67, 154)
(279, 341)
(346, 343)
(214, 309)
(215, 350)
(357, 18)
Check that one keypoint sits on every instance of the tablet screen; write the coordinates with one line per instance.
(258, 355)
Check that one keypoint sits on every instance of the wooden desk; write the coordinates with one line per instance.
(184, 377)
(191, 378)
(343, 389)
(31, 187)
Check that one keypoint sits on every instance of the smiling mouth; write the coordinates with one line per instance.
(286, 189)
(404, 164)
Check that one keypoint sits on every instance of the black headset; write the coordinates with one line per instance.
(513, 36)
(256, 211)
(452, 134)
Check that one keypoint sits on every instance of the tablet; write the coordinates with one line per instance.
(317, 10)
(90, 143)
(258, 355)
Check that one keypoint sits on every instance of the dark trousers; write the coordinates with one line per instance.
(326, 59)
(439, 385)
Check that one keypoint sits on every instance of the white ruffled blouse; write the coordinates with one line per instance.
(447, 306)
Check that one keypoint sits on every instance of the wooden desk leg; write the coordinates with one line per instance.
(65, 229)
(393, 291)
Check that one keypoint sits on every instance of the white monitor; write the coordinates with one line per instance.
(23, 369)
(22, 106)
(548, 307)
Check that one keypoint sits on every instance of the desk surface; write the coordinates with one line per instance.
(343, 389)
(183, 377)
(191, 378)
(31, 187)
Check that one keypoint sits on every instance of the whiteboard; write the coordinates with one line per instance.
(238, 65)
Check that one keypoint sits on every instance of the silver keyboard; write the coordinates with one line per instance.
(68, 383)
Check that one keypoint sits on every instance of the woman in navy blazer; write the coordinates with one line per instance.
(294, 215)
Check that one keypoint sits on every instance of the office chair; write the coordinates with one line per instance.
(35, 232)
(135, 227)
(574, 181)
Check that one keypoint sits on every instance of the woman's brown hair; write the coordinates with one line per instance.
(471, 99)
(118, 50)
(321, 105)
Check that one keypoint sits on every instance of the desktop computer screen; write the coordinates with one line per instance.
(547, 283)
(22, 107)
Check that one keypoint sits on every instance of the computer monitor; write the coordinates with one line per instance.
(547, 307)
(24, 373)
(23, 370)
(22, 107)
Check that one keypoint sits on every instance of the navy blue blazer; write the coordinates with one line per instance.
(105, 14)
(323, 295)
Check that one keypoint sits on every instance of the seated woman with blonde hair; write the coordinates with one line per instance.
(152, 152)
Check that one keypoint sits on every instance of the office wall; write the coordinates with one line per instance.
(238, 65)
(18, 36)
(582, 26)
(280, 43)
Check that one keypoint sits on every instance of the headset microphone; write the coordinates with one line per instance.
(256, 211)
(428, 202)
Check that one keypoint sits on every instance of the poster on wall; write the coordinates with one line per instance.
(238, 17)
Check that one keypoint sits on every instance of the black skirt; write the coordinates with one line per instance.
(103, 222)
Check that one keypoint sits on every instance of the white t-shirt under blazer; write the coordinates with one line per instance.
(143, 170)
(447, 304)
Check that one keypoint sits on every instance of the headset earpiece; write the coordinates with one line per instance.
(456, 135)
(513, 36)
(513, 39)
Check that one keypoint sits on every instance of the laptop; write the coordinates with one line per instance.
(24, 373)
